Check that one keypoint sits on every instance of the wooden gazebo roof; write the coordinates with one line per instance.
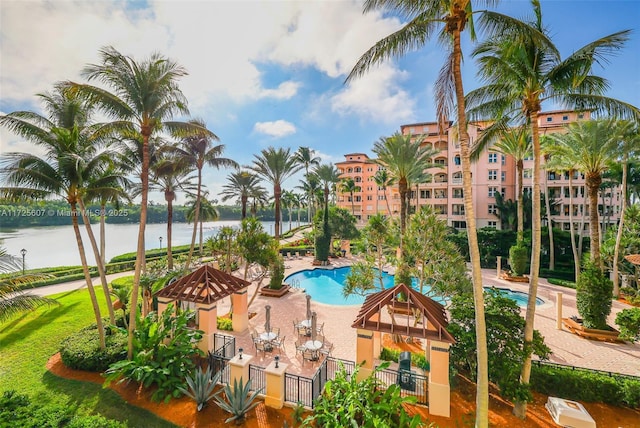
(633, 259)
(430, 310)
(204, 285)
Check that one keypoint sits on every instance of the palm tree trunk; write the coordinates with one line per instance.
(593, 184)
(574, 249)
(87, 276)
(277, 193)
(309, 195)
(353, 206)
(384, 191)
(102, 233)
(99, 264)
(552, 257)
(482, 390)
(520, 185)
(195, 221)
(169, 198)
(140, 251)
(623, 207)
(243, 203)
(201, 235)
(520, 407)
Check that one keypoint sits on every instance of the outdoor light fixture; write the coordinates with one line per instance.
(240, 351)
(277, 359)
(24, 253)
(160, 242)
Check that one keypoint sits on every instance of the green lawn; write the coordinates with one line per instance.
(26, 343)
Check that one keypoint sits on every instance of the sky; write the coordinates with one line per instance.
(272, 73)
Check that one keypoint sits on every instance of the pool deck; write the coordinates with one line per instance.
(567, 348)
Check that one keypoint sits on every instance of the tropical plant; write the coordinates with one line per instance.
(423, 19)
(349, 402)
(241, 185)
(348, 185)
(164, 349)
(145, 97)
(207, 212)
(305, 156)
(239, 400)
(275, 166)
(522, 69)
(122, 292)
(518, 259)
(201, 384)
(629, 322)
(383, 180)
(593, 296)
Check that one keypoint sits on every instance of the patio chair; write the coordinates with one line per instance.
(279, 343)
(308, 355)
(299, 347)
(259, 344)
(320, 329)
(326, 350)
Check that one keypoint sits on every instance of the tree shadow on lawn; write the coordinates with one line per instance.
(28, 328)
(96, 399)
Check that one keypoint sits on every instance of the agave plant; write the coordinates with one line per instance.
(238, 401)
(201, 386)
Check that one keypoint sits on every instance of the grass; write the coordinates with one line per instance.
(28, 340)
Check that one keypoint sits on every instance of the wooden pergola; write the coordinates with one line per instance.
(204, 287)
(416, 315)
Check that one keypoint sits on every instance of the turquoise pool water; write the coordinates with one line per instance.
(325, 286)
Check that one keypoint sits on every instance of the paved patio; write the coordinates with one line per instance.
(567, 348)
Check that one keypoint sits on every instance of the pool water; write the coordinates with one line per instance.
(325, 286)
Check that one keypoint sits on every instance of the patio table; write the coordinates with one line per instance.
(314, 346)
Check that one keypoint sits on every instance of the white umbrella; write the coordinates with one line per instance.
(314, 322)
(267, 322)
(308, 306)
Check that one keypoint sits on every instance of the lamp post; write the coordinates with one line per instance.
(160, 242)
(24, 253)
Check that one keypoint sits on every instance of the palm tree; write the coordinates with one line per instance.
(589, 145)
(383, 180)
(305, 156)
(71, 159)
(241, 185)
(311, 188)
(197, 150)
(349, 186)
(275, 166)
(523, 68)
(405, 160)
(629, 146)
(145, 96)
(13, 298)
(289, 202)
(423, 18)
(170, 174)
(201, 212)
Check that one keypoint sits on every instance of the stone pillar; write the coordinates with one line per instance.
(439, 389)
(498, 266)
(163, 302)
(239, 368)
(240, 318)
(207, 322)
(559, 310)
(364, 353)
(274, 378)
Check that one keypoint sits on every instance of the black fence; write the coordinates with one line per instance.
(258, 379)
(584, 369)
(410, 383)
(300, 390)
(224, 346)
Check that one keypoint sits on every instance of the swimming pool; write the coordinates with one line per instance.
(325, 286)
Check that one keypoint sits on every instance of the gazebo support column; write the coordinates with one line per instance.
(439, 389)
(364, 353)
(163, 302)
(207, 322)
(240, 317)
(377, 337)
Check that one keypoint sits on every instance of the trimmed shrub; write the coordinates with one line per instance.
(629, 322)
(518, 255)
(81, 350)
(277, 274)
(583, 385)
(593, 297)
(225, 324)
(562, 282)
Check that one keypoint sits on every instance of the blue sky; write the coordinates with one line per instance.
(272, 73)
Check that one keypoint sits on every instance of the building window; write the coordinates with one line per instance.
(527, 173)
(493, 209)
(493, 174)
(493, 158)
(581, 116)
(357, 169)
(412, 130)
(503, 159)
(369, 197)
(565, 117)
(457, 209)
(492, 192)
(440, 209)
(459, 224)
(425, 129)
(458, 193)
(503, 192)
(425, 194)
(440, 193)
(456, 160)
(503, 176)
(492, 224)
(549, 119)
(440, 161)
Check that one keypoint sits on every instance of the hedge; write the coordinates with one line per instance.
(585, 385)
(81, 350)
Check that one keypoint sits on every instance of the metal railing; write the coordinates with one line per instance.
(258, 378)
(540, 363)
(410, 383)
(224, 345)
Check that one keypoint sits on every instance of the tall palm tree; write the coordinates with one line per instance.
(170, 174)
(289, 202)
(589, 144)
(305, 156)
(71, 159)
(241, 185)
(349, 186)
(201, 212)
(523, 68)
(383, 179)
(275, 166)
(145, 97)
(405, 160)
(628, 146)
(311, 187)
(198, 150)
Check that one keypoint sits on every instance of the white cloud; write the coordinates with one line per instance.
(278, 129)
(376, 96)
(284, 91)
